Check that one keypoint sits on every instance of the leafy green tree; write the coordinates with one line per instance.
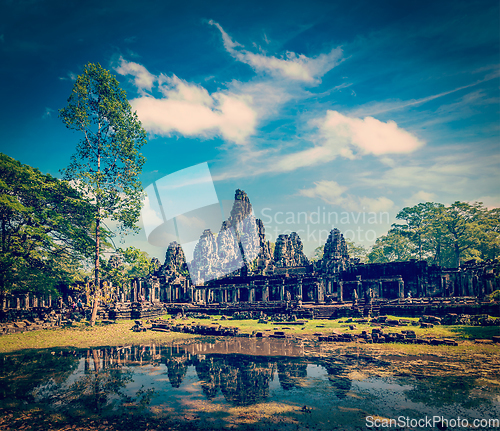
(45, 229)
(357, 251)
(126, 265)
(464, 223)
(449, 235)
(418, 225)
(107, 162)
(392, 247)
(318, 253)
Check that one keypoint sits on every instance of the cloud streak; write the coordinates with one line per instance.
(292, 66)
(333, 193)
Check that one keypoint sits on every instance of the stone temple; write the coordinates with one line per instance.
(238, 266)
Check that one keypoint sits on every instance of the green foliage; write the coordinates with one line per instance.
(126, 265)
(495, 296)
(357, 251)
(392, 247)
(449, 235)
(107, 162)
(318, 253)
(45, 229)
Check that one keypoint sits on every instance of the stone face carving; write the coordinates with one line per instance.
(204, 265)
(229, 252)
(242, 208)
(288, 251)
(175, 260)
(265, 258)
(335, 255)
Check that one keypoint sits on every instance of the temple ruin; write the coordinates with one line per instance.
(287, 275)
(237, 269)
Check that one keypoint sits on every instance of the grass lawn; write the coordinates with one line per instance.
(83, 336)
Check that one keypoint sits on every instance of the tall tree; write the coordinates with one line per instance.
(418, 225)
(464, 223)
(392, 247)
(107, 161)
(45, 226)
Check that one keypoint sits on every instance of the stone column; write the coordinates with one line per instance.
(251, 292)
(320, 291)
(401, 286)
(282, 290)
(27, 301)
(340, 291)
(359, 286)
(299, 287)
(153, 292)
(265, 292)
(18, 302)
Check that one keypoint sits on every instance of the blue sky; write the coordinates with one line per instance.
(325, 113)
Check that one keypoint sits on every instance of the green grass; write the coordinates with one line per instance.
(83, 336)
(327, 326)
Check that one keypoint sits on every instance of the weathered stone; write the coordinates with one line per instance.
(335, 254)
(288, 251)
(175, 260)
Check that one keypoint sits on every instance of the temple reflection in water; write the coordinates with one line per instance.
(242, 379)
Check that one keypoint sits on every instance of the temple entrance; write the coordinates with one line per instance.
(274, 293)
(244, 295)
(258, 294)
(390, 289)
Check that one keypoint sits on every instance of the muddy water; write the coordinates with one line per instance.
(248, 384)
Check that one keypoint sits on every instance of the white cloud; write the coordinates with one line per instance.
(189, 109)
(292, 66)
(367, 136)
(339, 136)
(334, 194)
(71, 76)
(143, 79)
(48, 113)
(421, 196)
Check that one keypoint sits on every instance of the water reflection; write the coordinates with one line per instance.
(238, 373)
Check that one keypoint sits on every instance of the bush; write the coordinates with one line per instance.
(495, 296)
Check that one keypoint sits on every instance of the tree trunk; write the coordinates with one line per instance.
(457, 254)
(97, 285)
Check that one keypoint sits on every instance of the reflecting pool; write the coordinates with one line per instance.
(244, 383)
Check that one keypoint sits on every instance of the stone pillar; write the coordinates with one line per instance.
(299, 287)
(282, 290)
(265, 292)
(134, 291)
(380, 289)
(401, 286)
(320, 291)
(251, 292)
(27, 301)
(18, 302)
(359, 286)
(49, 301)
(340, 291)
